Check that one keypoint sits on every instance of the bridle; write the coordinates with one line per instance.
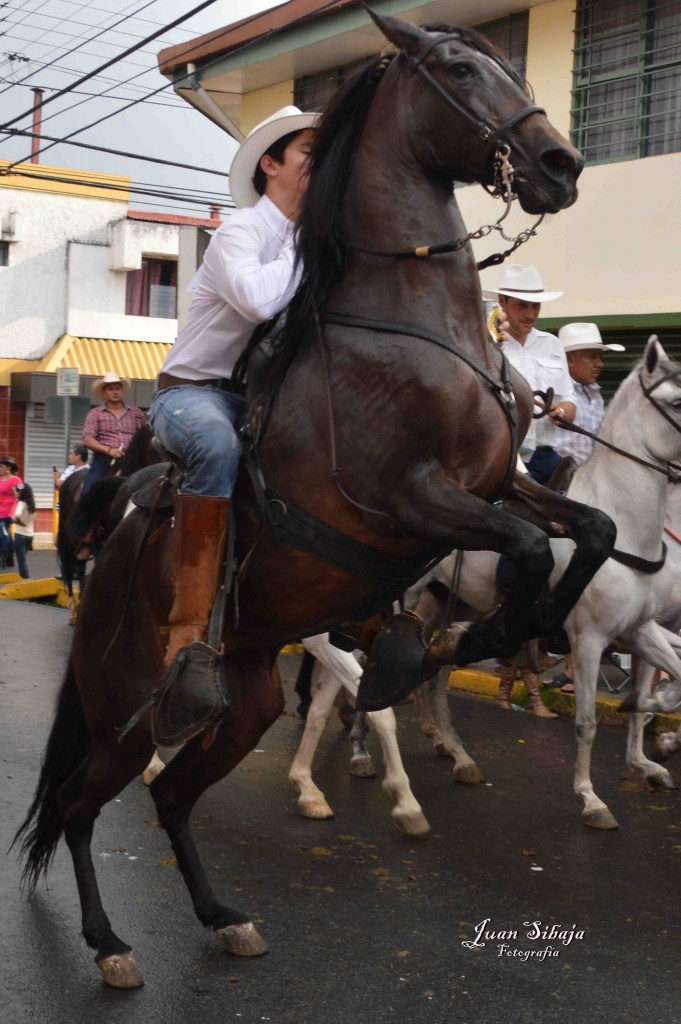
(672, 470)
(502, 172)
(494, 137)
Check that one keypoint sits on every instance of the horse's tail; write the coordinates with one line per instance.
(66, 749)
(92, 505)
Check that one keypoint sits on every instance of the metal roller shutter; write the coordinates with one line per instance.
(45, 448)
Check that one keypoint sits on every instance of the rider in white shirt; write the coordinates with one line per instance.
(248, 275)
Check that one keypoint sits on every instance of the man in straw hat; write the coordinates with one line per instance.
(539, 357)
(248, 275)
(109, 428)
(584, 349)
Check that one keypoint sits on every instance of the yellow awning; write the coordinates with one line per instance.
(139, 360)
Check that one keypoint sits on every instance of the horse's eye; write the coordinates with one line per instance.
(460, 71)
(676, 404)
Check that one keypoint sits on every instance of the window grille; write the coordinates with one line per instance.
(626, 100)
(509, 34)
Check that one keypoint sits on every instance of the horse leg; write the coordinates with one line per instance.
(465, 769)
(194, 769)
(311, 801)
(407, 812)
(586, 654)
(361, 764)
(461, 520)
(666, 744)
(648, 638)
(303, 685)
(592, 531)
(154, 768)
(106, 771)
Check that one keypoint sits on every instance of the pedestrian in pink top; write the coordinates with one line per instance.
(10, 484)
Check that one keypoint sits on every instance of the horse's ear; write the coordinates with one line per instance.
(404, 36)
(653, 353)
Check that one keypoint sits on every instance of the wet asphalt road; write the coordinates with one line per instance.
(364, 924)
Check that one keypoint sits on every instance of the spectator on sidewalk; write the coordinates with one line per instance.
(24, 523)
(78, 459)
(10, 482)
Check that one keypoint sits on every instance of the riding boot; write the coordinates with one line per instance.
(193, 698)
(537, 705)
(506, 680)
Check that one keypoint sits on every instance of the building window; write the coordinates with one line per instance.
(627, 79)
(152, 291)
(313, 91)
(509, 34)
(4, 254)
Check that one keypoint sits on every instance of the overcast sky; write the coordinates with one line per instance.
(38, 33)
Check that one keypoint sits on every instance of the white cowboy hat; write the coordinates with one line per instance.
(522, 283)
(109, 378)
(257, 142)
(583, 336)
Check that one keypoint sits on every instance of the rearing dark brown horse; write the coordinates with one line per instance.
(393, 430)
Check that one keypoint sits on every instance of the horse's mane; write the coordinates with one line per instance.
(322, 245)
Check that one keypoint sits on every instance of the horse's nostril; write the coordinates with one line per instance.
(561, 160)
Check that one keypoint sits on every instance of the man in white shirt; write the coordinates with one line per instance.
(540, 358)
(584, 348)
(248, 275)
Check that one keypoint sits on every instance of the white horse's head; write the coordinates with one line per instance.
(660, 384)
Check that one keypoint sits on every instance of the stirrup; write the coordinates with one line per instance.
(192, 696)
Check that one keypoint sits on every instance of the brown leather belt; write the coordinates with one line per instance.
(168, 380)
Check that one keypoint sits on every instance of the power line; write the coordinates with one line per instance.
(140, 188)
(236, 50)
(69, 52)
(114, 152)
(114, 60)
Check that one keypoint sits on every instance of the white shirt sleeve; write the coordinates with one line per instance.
(234, 270)
(567, 391)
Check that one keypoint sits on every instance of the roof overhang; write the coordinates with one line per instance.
(296, 39)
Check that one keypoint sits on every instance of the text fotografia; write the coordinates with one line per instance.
(534, 931)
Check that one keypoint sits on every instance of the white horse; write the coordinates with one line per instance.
(621, 603)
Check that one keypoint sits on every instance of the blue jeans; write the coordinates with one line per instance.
(21, 546)
(200, 425)
(99, 468)
(542, 464)
(6, 546)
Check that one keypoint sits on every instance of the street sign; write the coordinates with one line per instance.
(68, 380)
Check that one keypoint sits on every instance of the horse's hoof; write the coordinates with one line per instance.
(315, 808)
(120, 971)
(363, 768)
(663, 748)
(599, 817)
(665, 780)
(242, 939)
(470, 774)
(413, 824)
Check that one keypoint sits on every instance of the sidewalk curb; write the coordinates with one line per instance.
(485, 684)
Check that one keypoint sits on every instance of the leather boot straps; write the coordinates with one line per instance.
(537, 705)
(193, 698)
(506, 680)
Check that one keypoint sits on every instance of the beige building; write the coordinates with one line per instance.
(608, 73)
